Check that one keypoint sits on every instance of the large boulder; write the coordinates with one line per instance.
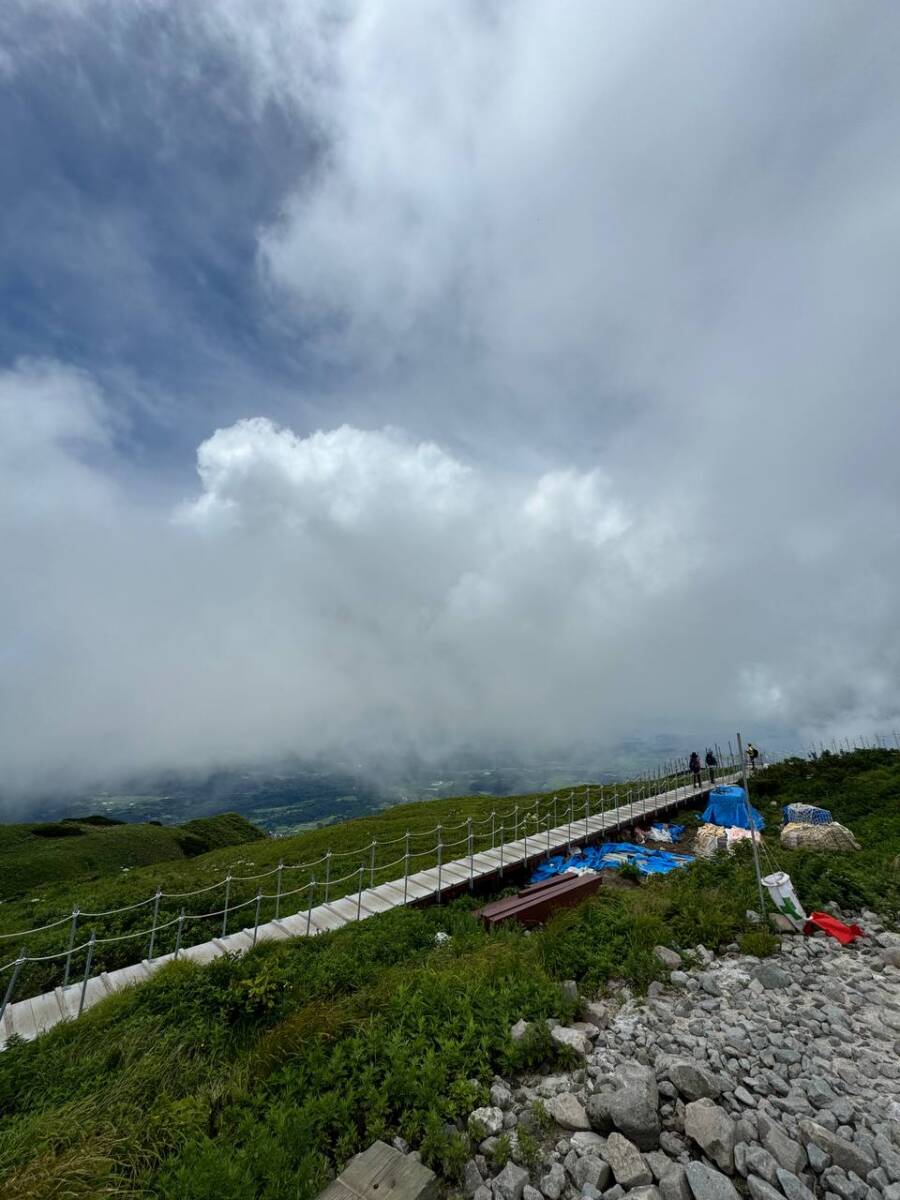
(628, 1102)
(709, 1184)
(592, 1170)
(771, 976)
(627, 1162)
(674, 1184)
(553, 1184)
(845, 1154)
(568, 1111)
(713, 1130)
(694, 1080)
(510, 1183)
(760, 1190)
(595, 1013)
(485, 1122)
(786, 1151)
(587, 1143)
(573, 1038)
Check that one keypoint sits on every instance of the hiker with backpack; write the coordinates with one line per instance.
(752, 755)
(711, 763)
(694, 765)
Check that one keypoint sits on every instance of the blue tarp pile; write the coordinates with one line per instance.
(807, 814)
(612, 855)
(728, 807)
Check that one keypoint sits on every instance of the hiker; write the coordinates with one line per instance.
(752, 755)
(711, 763)
(694, 765)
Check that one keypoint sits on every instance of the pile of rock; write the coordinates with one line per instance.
(775, 1079)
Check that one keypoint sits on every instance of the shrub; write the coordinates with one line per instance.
(759, 942)
(57, 829)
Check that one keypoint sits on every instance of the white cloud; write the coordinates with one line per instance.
(599, 306)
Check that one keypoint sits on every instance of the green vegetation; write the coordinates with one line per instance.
(350, 842)
(862, 790)
(84, 849)
(258, 1077)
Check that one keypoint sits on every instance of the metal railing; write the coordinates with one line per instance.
(531, 825)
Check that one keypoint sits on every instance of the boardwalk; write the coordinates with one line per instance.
(35, 1015)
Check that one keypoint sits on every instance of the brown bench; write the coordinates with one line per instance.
(534, 904)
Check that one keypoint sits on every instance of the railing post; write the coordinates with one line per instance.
(278, 875)
(7, 996)
(155, 919)
(311, 900)
(256, 914)
(327, 873)
(554, 812)
(75, 912)
(516, 824)
(469, 847)
(225, 910)
(493, 823)
(406, 868)
(362, 871)
(372, 865)
(569, 839)
(87, 971)
(178, 934)
(440, 857)
(502, 831)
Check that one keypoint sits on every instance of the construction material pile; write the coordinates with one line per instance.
(797, 835)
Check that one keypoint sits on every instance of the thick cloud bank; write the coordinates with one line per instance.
(540, 363)
(356, 588)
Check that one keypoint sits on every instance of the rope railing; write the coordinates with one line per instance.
(529, 824)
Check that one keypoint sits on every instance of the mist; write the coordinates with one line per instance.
(540, 392)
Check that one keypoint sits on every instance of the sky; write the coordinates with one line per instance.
(412, 375)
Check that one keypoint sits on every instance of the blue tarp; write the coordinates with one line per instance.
(728, 806)
(808, 814)
(613, 855)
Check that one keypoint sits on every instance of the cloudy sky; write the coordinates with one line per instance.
(418, 374)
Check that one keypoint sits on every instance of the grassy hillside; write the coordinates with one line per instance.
(72, 851)
(350, 842)
(258, 1077)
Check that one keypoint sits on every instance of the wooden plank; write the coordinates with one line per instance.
(125, 976)
(345, 908)
(203, 953)
(47, 1012)
(382, 1173)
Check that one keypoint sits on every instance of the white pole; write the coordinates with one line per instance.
(762, 903)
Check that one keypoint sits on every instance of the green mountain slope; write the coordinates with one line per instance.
(52, 853)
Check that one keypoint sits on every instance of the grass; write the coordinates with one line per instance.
(351, 843)
(67, 852)
(258, 1077)
(862, 790)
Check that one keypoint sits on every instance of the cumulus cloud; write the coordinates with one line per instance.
(574, 332)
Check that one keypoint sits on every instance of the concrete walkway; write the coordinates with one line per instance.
(33, 1016)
